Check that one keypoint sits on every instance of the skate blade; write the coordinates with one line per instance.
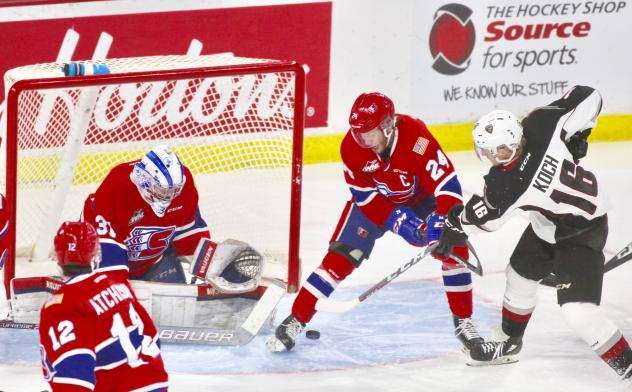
(502, 361)
(275, 345)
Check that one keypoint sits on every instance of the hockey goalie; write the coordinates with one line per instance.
(146, 215)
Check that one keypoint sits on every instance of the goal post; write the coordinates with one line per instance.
(236, 122)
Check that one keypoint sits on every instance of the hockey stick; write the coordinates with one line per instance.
(620, 258)
(221, 337)
(328, 305)
(14, 325)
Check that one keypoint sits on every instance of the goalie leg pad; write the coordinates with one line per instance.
(28, 295)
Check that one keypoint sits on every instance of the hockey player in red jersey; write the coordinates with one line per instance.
(94, 335)
(537, 168)
(147, 217)
(400, 180)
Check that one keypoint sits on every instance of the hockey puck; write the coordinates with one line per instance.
(312, 334)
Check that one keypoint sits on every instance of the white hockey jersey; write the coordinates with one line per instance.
(562, 197)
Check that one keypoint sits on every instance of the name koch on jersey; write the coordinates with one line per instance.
(131, 234)
(415, 169)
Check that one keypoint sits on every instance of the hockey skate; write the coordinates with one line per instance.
(495, 353)
(285, 335)
(466, 332)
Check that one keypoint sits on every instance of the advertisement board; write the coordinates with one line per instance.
(472, 57)
(113, 29)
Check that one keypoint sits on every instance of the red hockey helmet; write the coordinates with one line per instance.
(369, 112)
(77, 245)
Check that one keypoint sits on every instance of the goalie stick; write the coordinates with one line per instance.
(220, 337)
(328, 305)
(620, 258)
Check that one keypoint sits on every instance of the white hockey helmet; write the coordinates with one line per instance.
(159, 177)
(497, 136)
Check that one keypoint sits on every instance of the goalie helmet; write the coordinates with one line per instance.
(159, 177)
(77, 247)
(371, 111)
(497, 136)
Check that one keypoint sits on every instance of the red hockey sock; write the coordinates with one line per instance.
(321, 283)
(457, 281)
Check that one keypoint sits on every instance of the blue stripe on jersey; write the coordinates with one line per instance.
(79, 366)
(161, 166)
(458, 280)
(452, 185)
(361, 196)
(4, 231)
(197, 224)
(114, 352)
(320, 284)
(112, 255)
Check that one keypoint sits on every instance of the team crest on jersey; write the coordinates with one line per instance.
(138, 215)
(421, 145)
(148, 242)
(371, 166)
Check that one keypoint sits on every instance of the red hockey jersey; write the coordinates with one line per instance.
(4, 229)
(131, 234)
(416, 168)
(94, 335)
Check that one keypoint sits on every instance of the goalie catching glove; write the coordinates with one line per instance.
(231, 266)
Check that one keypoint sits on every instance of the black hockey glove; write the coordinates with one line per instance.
(452, 233)
(578, 144)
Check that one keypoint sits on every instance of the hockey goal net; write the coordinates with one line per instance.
(236, 122)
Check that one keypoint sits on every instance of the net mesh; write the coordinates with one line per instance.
(235, 134)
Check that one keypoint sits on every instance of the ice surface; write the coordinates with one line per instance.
(401, 338)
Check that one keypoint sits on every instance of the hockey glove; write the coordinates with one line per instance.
(407, 224)
(578, 144)
(434, 226)
(452, 233)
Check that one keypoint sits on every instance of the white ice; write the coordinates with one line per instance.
(401, 338)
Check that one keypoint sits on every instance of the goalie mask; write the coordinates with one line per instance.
(77, 248)
(159, 177)
(497, 137)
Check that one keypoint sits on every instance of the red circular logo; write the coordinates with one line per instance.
(452, 39)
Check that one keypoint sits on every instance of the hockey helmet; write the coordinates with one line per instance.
(159, 177)
(77, 246)
(497, 136)
(371, 111)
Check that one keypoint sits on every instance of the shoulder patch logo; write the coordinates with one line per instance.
(421, 145)
(54, 300)
(371, 166)
(138, 215)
